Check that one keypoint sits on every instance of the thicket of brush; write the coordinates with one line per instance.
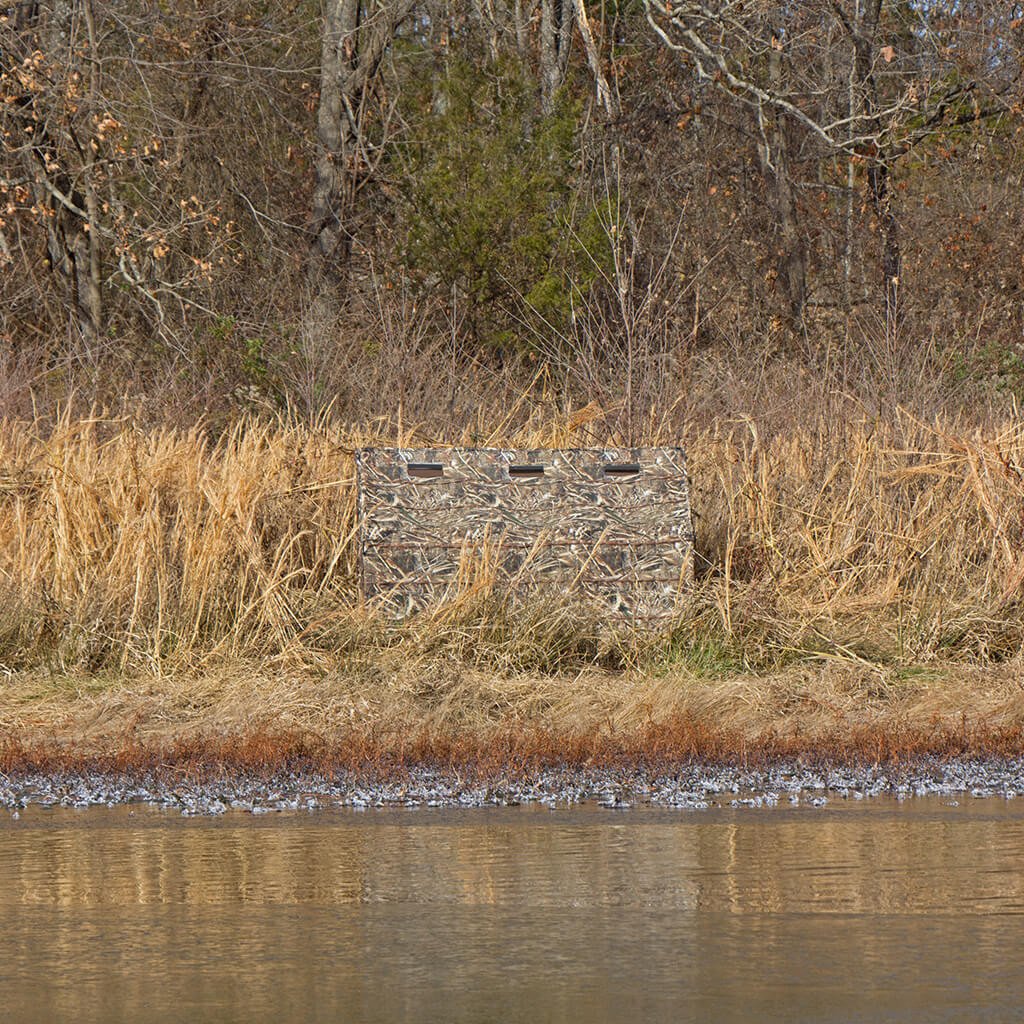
(823, 532)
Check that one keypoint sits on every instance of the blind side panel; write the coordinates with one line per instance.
(622, 538)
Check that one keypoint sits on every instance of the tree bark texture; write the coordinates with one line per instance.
(356, 36)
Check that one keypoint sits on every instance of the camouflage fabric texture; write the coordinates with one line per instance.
(610, 527)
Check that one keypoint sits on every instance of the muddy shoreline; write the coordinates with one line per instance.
(694, 786)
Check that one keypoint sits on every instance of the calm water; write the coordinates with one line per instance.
(869, 912)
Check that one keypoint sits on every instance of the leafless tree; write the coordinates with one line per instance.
(356, 38)
(904, 85)
(557, 21)
(54, 136)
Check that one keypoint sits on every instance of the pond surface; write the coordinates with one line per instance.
(879, 911)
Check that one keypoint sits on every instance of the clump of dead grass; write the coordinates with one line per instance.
(473, 722)
(857, 540)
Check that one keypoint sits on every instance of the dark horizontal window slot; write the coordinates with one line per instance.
(525, 470)
(426, 470)
(622, 469)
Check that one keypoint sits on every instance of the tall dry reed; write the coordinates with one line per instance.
(893, 541)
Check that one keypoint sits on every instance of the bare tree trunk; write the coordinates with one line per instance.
(335, 140)
(356, 36)
(488, 18)
(67, 194)
(93, 270)
(851, 177)
(200, 78)
(879, 165)
(522, 14)
(775, 157)
(608, 99)
(557, 18)
(885, 117)
(892, 256)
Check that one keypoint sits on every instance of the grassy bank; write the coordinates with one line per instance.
(456, 717)
(859, 583)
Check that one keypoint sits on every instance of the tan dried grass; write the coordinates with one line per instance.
(168, 578)
(814, 708)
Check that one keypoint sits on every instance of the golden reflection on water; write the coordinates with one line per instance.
(825, 862)
(583, 915)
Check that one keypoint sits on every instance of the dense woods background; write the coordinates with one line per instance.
(431, 208)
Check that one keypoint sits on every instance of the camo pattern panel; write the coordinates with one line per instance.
(612, 526)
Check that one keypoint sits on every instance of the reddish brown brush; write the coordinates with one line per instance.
(509, 754)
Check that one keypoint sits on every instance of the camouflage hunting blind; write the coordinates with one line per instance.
(611, 526)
